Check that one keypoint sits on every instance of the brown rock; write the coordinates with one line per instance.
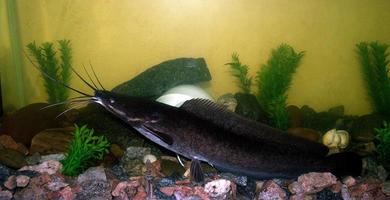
(8, 142)
(117, 151)
(25, 123)
(10, 183)
(12, 158)
(271, 191)
(294, 116)
(51, 141)
(305, 133)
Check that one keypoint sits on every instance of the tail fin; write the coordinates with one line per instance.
(345, 163)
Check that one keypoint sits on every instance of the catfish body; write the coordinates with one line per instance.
(231, 144)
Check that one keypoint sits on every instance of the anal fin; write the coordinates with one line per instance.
(196, 173)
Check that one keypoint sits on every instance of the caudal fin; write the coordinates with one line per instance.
(345, 163)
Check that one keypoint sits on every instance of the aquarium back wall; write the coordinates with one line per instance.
(122, 38)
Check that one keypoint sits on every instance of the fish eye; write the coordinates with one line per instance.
(112, 101)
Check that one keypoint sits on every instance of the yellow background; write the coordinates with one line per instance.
(123, 37)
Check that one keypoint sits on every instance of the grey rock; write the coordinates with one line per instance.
(132, 160)
(94, 184)
(239, 180)
(57, 157)
(34, 159)
(228, 101)
(92, 174)
(136, 153)
(4, 173)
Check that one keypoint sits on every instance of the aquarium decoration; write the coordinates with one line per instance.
(383, 148)
(154, 81)
(240, 71)
(374, 61)
(273, 81)
(58, 67)
(84, 147)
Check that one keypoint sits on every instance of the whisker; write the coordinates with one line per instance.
(93, 71)
(73, 107)
(75, 99)
(89, 77)
(53, 79)
(86, 82)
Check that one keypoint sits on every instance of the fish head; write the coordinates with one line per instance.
(144, 115)
(133, 110)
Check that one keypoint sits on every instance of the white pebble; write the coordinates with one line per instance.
(149, 157)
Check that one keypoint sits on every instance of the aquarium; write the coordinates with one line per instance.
(194, 99)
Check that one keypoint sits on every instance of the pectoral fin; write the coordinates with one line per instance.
(196, 173)
(161, 136)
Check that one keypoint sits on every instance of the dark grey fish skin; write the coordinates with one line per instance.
(267, 153)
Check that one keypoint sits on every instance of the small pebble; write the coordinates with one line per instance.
(386, 188)
(218, 188)
(349, 181)
(152, 158)
(5, 195)
(22, 181)
(10, 183)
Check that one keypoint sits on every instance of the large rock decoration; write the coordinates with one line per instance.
(154, 81)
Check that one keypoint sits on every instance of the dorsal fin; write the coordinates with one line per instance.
(236, 124)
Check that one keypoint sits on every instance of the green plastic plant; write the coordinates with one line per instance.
(84, 147)
(383, 148)
(240, 71)
(273, 81)
(48, 62)
(374, 61)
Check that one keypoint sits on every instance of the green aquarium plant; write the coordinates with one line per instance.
(273, 81)
(84, 148)
(383, 148)
(240, 71)
(58, 67)
(374, 61)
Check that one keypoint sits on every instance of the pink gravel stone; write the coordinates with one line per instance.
(5, 195)
(218, 188)
(271, 191)
(168, 191)
(349, 181)
(50, 167)
(22, 180)
(314, 182)
(296, 188)
(67, 193)
(336, 188)
(10, 183)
